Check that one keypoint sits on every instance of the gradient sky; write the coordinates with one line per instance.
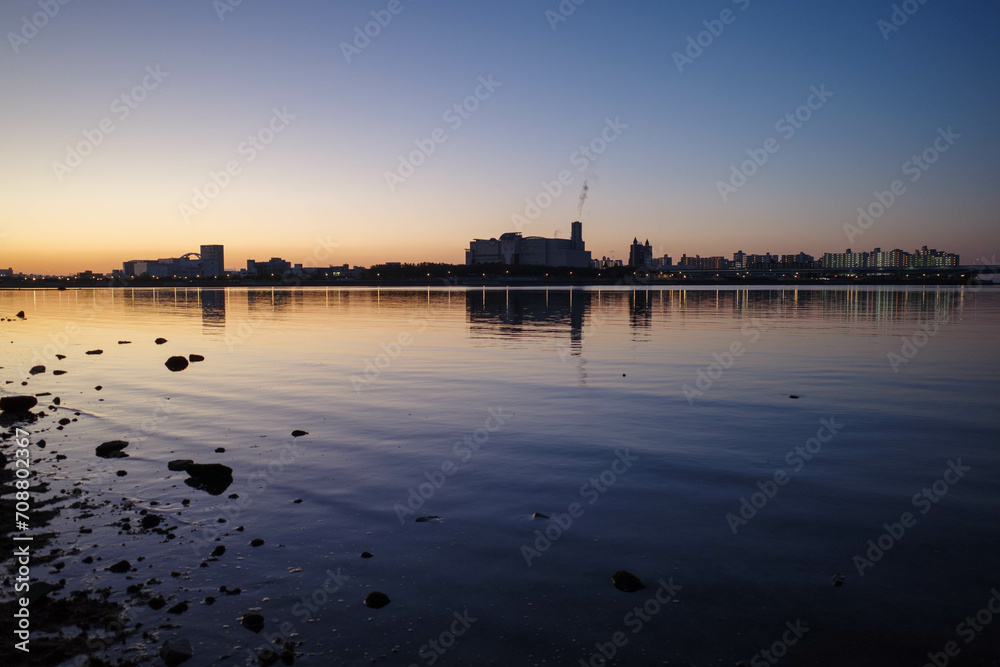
(318, 194)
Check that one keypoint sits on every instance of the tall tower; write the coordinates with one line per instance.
(577, 235)
(212, 261)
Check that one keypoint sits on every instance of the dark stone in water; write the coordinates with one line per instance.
(377, 600)
(539, 515)
(220, 450)
(253, 622)
(176, 651)
(20, 314)
(59, 372)
(627, 582)
(95, 351)
(367, 554)
(838, 580)
(60, 357)
(195, 357)
(35, 370)
(120, 567)
(124, 342)
(98, 388)
(112, 449)
(178, 465)
(426, 519)
(178, 608)
(64, 421)
(793, 396)
(160, 341)
(214, 478)
(256, 542)
(121, 473)
(297, 433)
(151, 521)
(218, 551)
(17, 403)
(176, 363)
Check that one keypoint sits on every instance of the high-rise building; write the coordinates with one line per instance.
(212, 261)
(640, 254)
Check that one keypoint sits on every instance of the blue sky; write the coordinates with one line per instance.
(324, 175)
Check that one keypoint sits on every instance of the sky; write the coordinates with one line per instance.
(140, 129)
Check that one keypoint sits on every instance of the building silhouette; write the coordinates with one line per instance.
(512, 249)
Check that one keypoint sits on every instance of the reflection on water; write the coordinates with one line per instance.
(386, 381)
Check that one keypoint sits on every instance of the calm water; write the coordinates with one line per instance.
(643, 417)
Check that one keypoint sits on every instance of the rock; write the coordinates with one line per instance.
(256, 542)
(112, 449)
(220, 450)
(426, 519)
(20, 314)
(539, 515)
(98, 388)
(214, 478)
(56, 401)
(377, 600)
(17, 403)
(151, 521)
(60, 357)
(195, 357)
(176, 651)
(218, 551)
(176, 363)
(157, 603)
(793, 396)
(252, 622)
(59, 372)
(178, 465)
(64, 421)
(298, 434)
(35, 370)
(121, 473)
(367, 554)
(160, 341)
(627, 582)
(838, 580)
(95, 351)
(120, 567)
(178, 608)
